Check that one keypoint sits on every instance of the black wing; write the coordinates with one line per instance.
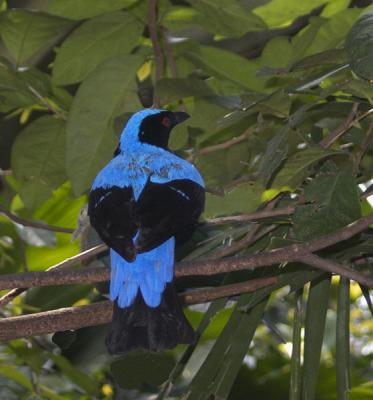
(168, 209)
(112, 213)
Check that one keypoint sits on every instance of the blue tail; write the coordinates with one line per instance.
(147, 313)
(149, 273)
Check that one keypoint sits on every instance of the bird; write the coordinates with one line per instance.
(142, 203)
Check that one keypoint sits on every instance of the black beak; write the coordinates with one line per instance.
(180, 117)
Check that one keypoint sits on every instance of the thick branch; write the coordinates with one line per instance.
(293, 252)
(34, 224)
(101, 313)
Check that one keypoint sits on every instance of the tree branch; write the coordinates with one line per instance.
(293, 252)
(344, 127)
(225, 145)
(34, 224)
(158, 57)
(101, 313)
(255, 216)
(335, 268)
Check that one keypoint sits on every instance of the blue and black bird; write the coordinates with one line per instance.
(142, 202)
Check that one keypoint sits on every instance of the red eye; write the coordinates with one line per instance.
(166, 122)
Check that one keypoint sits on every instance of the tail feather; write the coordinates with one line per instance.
(151, 328)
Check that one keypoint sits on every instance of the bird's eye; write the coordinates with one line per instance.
(166, 122)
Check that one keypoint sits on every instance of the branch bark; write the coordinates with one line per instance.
(34, 224)
(294, 252)
(153, 32)
(101, 313)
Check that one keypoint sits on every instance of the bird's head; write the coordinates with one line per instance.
(150, 126)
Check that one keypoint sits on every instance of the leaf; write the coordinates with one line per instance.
(227, 65)
(274, 155)
(93, 42)
(359, 46)
(298, 166)
(317, 306)
(295, 366)
(81, 9)
(342, 357)
(170, 90)
(278, 13)
(216, 375)
(11, 372)
(334, 203)
(140, 368)
(81, 379)
(244, 198)
(227, 17)
(107, 92)
(333, 32)
(27, 32)
(38, 158)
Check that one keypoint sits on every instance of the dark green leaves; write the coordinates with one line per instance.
(80, 9)
(333, 203)
(38, 159)
(359, 46)
(93, 42)
(25, 33)
(142, 368)
(106, 93)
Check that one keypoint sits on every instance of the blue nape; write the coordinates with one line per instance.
(149, 273)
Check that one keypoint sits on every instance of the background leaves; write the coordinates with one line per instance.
(280, 100)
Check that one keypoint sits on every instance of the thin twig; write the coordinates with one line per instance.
(34, 224)
(341, 129)
(276, 256)
(227, 144)
(255, 216)
(335, 268)
(69, 262)
(364, 147)
(158, 57)
(101, 313)
(169, 52)
(47, 104)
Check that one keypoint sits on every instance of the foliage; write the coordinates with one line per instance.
(264, 89)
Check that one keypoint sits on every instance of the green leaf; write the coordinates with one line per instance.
(216, 375)
(243, 198)
(106, 93)
(92, 43)
(295, 366)
(38, 158)
(275, 154)
(359, 46)
(317, 306)
(334, 203)
(140, 368)
(227, 17)
(81, 9)
(333, 32)
(278, 13)
(170, 90)
(227, 65)
(11, 372)
(81, 379)
(298, 166)
(27, 32)
(342, 356)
